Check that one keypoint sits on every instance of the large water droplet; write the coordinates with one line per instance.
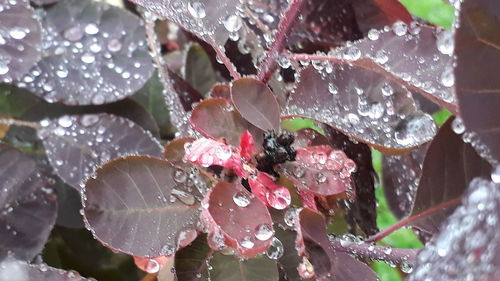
(447, 77)
(351, 53)
(183, 196)
(458, 126)
(445, 42)
(17, 33)
(247, 243)
(263, 232)
(241, 199)
(233, 23)
(275, 250)
(197, 9)
(400, 28)
(373, 34)
(91, 29)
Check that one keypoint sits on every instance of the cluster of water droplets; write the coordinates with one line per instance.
(468, 247)
(20, 39)
(77, 145)
(89, 60)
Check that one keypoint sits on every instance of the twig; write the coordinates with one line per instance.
(270, 63)
(384, 233)
(21, 123)
(373, 252)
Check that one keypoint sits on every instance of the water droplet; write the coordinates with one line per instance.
(495, 175)
(351, 53)
(17, 33)
(197, 10)
(381, 57)
(275, 250)
(458, 126)
(320, 178)
(373, 34)
(91, 29)
(114, 45)
(448, 77)
(400, 28)
(247, 243)
(65, 121)
(387, 90)
(298, 171)
(284, 62)
(445, 42)
(167, 249)
(88, 58)
(4, 68)
(183, 196)
(179, 176)
(406, 267)
(73, 34)
(241, 199)
(152, 266)
(290, 217)
(332, 89)
(233, 23)
(306, 269)
(264, 232)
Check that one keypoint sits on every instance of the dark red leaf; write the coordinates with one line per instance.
(256, 103)
(175, 150)
(191, 261)
(21, 39)
(369, 108)
(246, 146)
(11, 269)
(27, 207)
(198, 70)
(186, 93)
(77, 145)
(141, 206)
(217, 118)
(449, 166)
(468, 246)
(232, 268)
(270, 193)
(208, 152)
(478, 63)
(379, 13)
(226, 216)
(401, 175)
(92, 57)
(221, 91)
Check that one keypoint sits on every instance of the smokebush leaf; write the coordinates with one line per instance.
(369, 108)
(175, 150)
(94, 53)
(27, 207)
(449, 165)
(11, 269)
(468, 247)
(232, 268)
(401, 175)
(256, 103)
(226, 214)
(198, 70)
(478, 62)
(217, 118)
(191, 261)
(77, 145)
(140, 206)
(20, 39)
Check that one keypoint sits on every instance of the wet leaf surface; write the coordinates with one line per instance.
(478, 51)
(232, 268)
(198, 70)
(20, 39)
(146, 196)
(77, 145)
(94, 53)
(369, 108)
(449, 166)
(256, 103)
(28, 207)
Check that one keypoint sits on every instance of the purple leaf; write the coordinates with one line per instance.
(362, 104)
(198, 70)
(20, 39)
(77, 145)
(217, 118)
(191, 261)
(256, 103)
(140, 206)
(478, 63)
(94, 53)
(468, 247)
(449, 165)
(401, 175)
(175, 150)
(27, 207)
(15, 270)
(232, 268)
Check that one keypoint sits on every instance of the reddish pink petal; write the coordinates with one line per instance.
(272, 194)
(152, 265)
(207, 152)
(246, 145)
(308, 199)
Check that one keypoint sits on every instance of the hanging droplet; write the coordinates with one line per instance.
(275, 250)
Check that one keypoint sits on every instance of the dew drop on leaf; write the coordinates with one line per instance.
(263, 232)
(241, 199)
(275, 250)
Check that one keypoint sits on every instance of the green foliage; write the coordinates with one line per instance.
(441, 116)
(438, 12)
(298, 123)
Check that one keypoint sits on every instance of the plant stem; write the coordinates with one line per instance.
(224, 59)
(381, 253)
(20, 123)
(384, 233)
(271, 61)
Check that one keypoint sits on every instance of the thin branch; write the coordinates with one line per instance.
(20, 123)
(373, 252)
(270, 63)
(406, 221)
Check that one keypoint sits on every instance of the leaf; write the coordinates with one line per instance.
(151, 97)
(14, 101)
(191, 262)
(226, 215)
(208, 152)
(94, 53)
(175, 150)
(290, 259)
(140, 206)
(11, 269)
(256, 103)
(321, 170)
(77, 145)
(21, 39)
(360, 109)
(417, 57)
(232, 268)
(328, 263)
(220, 91)
(468, 245)
(270, 193)
(379, 13)
(401, 176)
(478, 61)
(449, 165)
(27, 209)
(438, 12)
(198, 70)
(217, 118)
